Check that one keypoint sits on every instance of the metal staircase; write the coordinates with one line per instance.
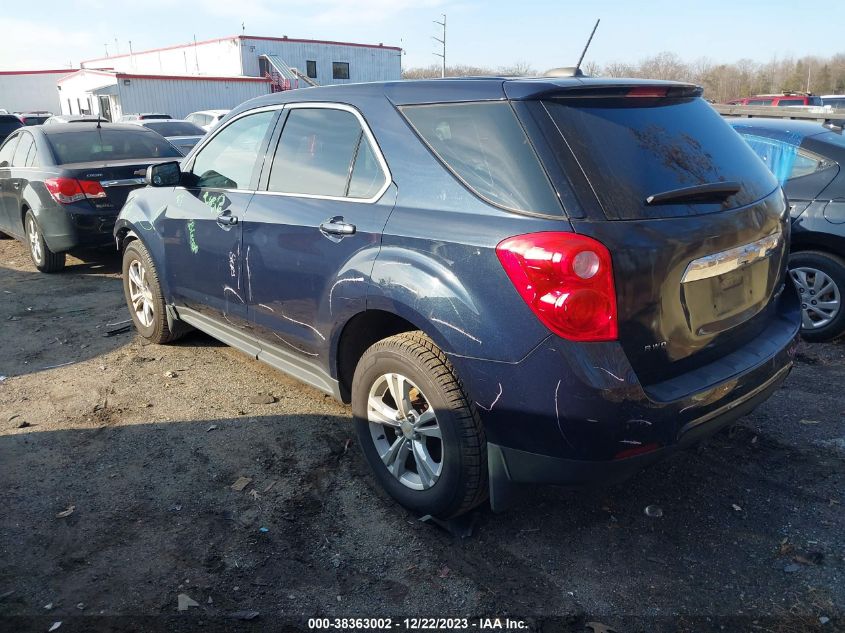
(281, 76)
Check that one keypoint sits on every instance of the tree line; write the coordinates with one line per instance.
(721, 82)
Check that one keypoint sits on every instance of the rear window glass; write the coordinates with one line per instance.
(791, 102)
(175, 128)
(634, 148)
(35, 119)
(834, 138)
(104, 145)
(484, 145)
(8, 125)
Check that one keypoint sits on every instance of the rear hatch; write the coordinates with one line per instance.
(117, 179)
(694, 221)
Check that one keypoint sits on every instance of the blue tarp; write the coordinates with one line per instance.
(778, 155)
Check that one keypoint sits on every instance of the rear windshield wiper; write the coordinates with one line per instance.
(712, 192)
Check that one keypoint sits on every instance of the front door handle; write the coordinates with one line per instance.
(227, 220)
(336, 226)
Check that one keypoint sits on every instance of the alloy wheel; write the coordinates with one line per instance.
(140, 294)
(405, 431)
(34, 240)
(820, 297)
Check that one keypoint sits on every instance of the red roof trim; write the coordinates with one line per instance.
(190, 77)
(117, 76)
(66, 71)
(241, 37)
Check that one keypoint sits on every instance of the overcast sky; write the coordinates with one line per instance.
(56, 33)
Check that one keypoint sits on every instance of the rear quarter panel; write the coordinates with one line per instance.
(437, 266)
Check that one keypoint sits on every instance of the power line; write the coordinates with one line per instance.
(442, 55)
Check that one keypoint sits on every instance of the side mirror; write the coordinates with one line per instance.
(163, 175)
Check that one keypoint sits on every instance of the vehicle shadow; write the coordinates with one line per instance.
(310, 525)
(50, 320)
(94, 261)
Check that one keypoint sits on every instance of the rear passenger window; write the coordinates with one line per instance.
(486, 147)
(22, 151)
(324, 152)
(785, 160)
(228, 160)
(8, 150)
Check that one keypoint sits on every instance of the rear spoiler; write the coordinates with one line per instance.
(591, 89)
(834, 118)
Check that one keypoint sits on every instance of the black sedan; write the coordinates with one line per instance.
(62, 186)
(808, 158)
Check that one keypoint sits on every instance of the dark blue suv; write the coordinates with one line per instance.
(512, 281)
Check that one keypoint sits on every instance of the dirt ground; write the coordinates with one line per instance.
(144, 442)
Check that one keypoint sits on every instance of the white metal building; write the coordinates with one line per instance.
(111, 94)
(323, 62)
(30, 90)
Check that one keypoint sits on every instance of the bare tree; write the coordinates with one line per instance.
(721, 82)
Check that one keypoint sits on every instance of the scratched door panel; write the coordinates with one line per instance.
(300, 282)
(202, 226)
(204, 256)
(314, 228)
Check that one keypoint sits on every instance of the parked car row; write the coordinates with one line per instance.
(61, 186)
(505, 288)
(792, 99)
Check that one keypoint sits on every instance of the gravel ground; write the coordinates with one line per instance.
(143, 444)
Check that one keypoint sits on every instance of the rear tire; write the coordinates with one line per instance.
(142, 291)
(820, 280)
(44, 259)
(429, 452)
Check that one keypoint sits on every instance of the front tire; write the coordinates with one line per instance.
(142, 291)
(820, 280)
(418, 431)
(44, 259)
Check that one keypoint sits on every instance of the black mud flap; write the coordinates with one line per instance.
(503, 492)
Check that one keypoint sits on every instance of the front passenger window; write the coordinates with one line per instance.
(228, 160)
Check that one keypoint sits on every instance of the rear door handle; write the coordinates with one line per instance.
(227, 220)
(336, 226)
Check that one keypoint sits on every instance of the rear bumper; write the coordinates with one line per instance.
(76, 226)
(575, 414)
(510, 466)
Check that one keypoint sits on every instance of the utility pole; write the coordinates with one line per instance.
(442, 55)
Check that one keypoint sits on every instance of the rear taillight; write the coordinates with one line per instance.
(67, 190)
(567, 281)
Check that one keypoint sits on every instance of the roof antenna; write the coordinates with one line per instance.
(584, 52)
(573, 71)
